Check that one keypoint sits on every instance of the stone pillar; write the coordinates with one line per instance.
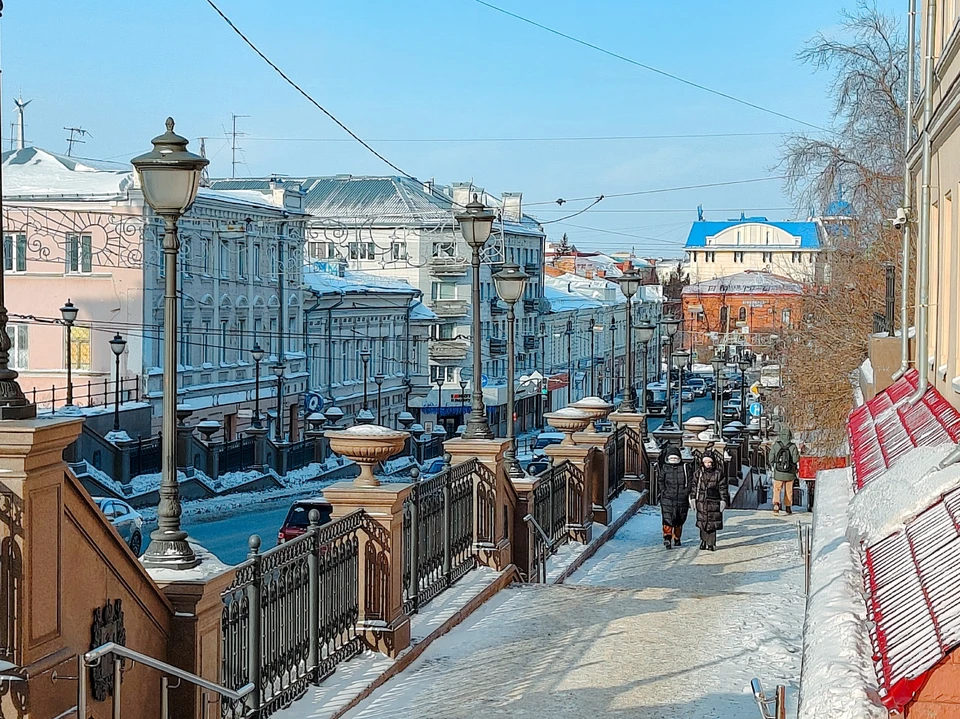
(382, 622)
(583, 458)
(259, 447)
(283, 457)
(125, 449)
(600, 474)
(489, 452)
(522, 538)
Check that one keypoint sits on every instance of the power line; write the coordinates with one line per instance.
(584, 138)
(561, 201)
(656, 70)
(303, 92)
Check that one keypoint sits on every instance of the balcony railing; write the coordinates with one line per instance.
(530, 306)
(531, 343)
(448, 266)
(450, 308)
(498, 346)
(496, 308)
(448, 351)
(85, 394)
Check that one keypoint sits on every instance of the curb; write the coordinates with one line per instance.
(507, 577)
(604, 537)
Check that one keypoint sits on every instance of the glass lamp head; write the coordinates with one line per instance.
(169, 174)
(476, 223)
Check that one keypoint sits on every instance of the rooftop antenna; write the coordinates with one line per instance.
(75, 134)
(21, 104)
(233, 144)
(204, 174)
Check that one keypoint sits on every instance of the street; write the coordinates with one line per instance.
(700, 407)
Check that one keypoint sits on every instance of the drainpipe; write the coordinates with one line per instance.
(925, 172)
(907, 196)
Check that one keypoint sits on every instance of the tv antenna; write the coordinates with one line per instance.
(75, 134)
(233, 144)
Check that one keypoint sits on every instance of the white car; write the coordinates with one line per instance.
(125, 518)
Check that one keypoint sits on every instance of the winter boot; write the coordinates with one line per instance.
(676, 541)
(789, 509)
(666, 543)
(776, 508)
(712, 547)
(703, 545)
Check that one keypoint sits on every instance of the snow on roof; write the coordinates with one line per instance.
(354, 281)
(745, 283)
(419, 312)
(888, 426)
(33, 172)
(838, 679)
(597, 289)
(808, 231)
(561, 300)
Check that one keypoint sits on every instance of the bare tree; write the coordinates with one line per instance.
(863, 155)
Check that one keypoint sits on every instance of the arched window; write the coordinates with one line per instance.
(724, 317)
(743, 314)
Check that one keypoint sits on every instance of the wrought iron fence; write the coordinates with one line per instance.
(236, 456)
(880, 323)
(616, 462)
(290, 615)
(440, 518)
(300, 454)
(92, 393)
(552, 498)
(633, 453)
(148, 456)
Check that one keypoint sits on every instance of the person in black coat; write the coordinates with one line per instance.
(674, 495)
(710, 498)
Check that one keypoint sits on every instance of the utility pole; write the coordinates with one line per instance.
(233, 144)
(75, 134)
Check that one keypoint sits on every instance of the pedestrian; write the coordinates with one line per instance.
(710, 498)
(674, 495)
(784, 458)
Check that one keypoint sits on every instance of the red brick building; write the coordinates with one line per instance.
(750, 309)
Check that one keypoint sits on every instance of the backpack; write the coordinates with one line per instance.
(783, 462)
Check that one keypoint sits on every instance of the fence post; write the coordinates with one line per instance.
(414, 589)
(447, 528)
(254, 651)
(313, 568)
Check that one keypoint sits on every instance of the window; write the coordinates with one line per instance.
(272, 258)
(223, 341)
(80, 347)
(724, 317)
(768, 237)
(738, 237)
(19, 350)
(443, 291)
(79, 255)
(257, 260)
(796, 257)
(768, 257)
(292, 332)
(742, 315)
(399, 249)
(444, 249)
(811, 258)
(15, 253)
(205, 342)
(185, 344)
(694, 256)
(241, 332)
(274, 336)
(738, 257)
(362, 251)
(320, 251)
(242, 259)
(785, 318)
(207, 254)
(224, 259)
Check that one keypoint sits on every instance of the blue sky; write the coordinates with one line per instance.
(443, 69)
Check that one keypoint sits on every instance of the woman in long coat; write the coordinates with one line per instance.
(710, 498)
(674, 495)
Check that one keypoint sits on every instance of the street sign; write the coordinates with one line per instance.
(755, 389)
(756, 409)
(313, 402)
(483, 380)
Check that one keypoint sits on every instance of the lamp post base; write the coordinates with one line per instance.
(22, 411)
(169, 551)
(477, 429)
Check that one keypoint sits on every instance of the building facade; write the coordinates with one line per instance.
(80, 230)
(403, 229)
(721, 249)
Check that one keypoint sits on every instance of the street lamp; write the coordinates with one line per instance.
(613, 356)
(670, 327)
(365, 359)
(463, 398)
(569, 334)
(169, 177)
(718, 364)
(629, 285)
(476, 223)
(117, 344)
(645, 333)
(69, 314)
(378, 378)
(743, 364)
(594, 328)
(257, 354)
(278, 370)
(439, 381)
(680, 361)
(510, 283)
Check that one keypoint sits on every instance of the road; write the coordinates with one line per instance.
(700, 407)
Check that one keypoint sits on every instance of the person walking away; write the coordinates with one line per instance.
(784, 459)
(710, 498)
(674, 495)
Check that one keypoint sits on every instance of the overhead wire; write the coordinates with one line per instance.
(651, 68)
(586, 138)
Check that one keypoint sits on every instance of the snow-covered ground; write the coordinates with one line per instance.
(638, 631)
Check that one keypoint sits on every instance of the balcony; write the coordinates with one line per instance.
(498, 346)
(531, 343)
(530, 306)
(448, 266)
(496, 308)
(450, 308)
(448, 351)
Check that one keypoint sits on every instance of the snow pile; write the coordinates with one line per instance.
(366, 430)
(866, 371)
(210, 566)
(234, 479)
(838, 679)
(908, 487)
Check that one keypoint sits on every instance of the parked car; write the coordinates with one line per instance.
(687, 394)
(731, 410)
(545, 439)
(698, 385)
(125, 519)
(298, 518)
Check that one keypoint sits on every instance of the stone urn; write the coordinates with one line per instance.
(696, 425)
(568, 420)
(596, 407)
(368, 445)
(208, 428)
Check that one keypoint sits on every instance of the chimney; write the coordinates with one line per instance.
(462, 192)
(512, 211)
(428, 186)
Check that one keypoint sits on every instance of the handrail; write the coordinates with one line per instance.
(119, 651)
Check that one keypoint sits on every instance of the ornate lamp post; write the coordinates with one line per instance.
(476, 223)
(257, 354)
(569, 334)
(463, 399)
(365, 359)
(594, 329)
(718, 364)
(670, 327)
(613, 357)
(645, 333)
(69, 314)
(169, 177)
(117, 344)
(680, 361)
(629, 285)
(379, 377)
(278, 369)
(743, 364)
(510, 283)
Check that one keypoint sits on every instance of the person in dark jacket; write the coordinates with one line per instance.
(710, 498)
(674, 495)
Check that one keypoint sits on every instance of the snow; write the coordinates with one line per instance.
(592, 403)
(568, 413)
(117, 437)
(838, 678)
(367, 430)
(866, 371)
(208, 568)
(913, 483)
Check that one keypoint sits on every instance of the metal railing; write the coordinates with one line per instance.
(148, 456)
(616, 451)
(290, 615)
(777, 702)
(236, 456)
(93, 393)
(440, 520)
(232, 700)
(553, 495)
(300, 454)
